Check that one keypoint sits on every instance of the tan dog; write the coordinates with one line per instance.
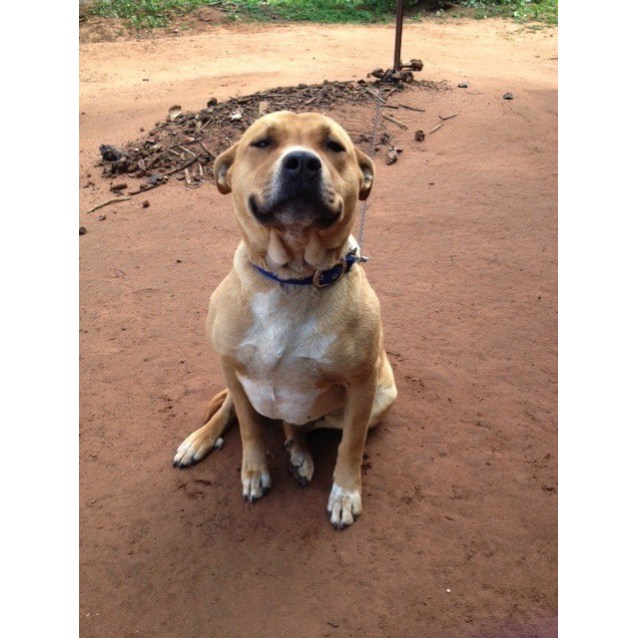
(296, 324)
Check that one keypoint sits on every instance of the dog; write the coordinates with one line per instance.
(296, 324)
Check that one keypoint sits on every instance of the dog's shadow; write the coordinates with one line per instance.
(323, 444)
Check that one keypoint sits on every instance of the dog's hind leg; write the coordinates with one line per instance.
(301, 464)
(220, 413)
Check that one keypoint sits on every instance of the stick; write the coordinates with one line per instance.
(411, 108)
(391, 119)
(186, 164)
(206, 123)
(436, 128)
(374, 94)
(109, 201)
(447, 117)
(206, 149)
(150, 187)
(183, 144)
(187, 151)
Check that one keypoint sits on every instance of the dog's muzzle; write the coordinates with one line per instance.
(298, 194)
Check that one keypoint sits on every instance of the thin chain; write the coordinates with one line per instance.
(376, 119)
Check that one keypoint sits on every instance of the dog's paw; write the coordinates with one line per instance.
(194, 448)
(255, 485)
(301, 464)
(343, 506)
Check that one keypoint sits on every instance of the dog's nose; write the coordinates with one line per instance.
(301, 165)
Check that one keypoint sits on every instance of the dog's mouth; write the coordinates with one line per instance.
(296, 209)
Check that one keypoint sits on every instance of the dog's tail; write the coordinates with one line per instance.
(216, 403)
(220, 414)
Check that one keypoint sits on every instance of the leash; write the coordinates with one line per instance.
(376, 119)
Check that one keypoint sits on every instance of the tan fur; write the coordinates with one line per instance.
(311, 356)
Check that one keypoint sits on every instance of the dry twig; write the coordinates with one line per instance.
(109, 201)
(411, 108)
(395, 121)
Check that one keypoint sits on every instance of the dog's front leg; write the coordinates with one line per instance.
(344, 503)
(255, 477)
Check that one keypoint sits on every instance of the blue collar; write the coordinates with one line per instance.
(321, 278)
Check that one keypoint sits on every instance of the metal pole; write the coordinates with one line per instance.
(397, 38)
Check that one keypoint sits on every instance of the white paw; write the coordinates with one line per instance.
(343, 506)
(255, 486)
(195, 448)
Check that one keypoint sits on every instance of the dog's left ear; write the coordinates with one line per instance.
(220, 169)
(367, 172)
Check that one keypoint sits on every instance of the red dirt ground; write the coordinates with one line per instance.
(459, 532)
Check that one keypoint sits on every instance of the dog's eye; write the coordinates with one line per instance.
(335, 147)
(262, 143)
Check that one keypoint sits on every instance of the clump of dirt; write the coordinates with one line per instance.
(186, 144)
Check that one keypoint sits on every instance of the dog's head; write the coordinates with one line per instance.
(295, 174)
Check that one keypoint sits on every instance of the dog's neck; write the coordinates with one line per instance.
(297, 252)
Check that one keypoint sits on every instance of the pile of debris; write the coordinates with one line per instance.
(186, 144)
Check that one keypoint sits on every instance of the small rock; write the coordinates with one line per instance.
(146, 203)
(101, 218)
(110, 153)
(154, 179)
(508, 96)
(174, 112)
(419, 135)
(391, 156)
(463, 85)
(82, 230)
(403, 76)
(211, 102)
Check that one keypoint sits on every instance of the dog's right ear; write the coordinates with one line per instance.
(221, 167)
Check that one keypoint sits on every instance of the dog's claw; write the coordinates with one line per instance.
(344, 506)
(193, 449)
(303, 481)
(301, 466)
(256, 486)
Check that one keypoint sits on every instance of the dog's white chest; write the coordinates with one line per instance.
(282, 355)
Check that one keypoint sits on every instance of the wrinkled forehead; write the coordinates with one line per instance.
(299, 129)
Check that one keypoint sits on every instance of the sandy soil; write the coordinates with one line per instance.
(459, 532)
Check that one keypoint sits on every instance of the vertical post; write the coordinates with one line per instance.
(397, 37)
